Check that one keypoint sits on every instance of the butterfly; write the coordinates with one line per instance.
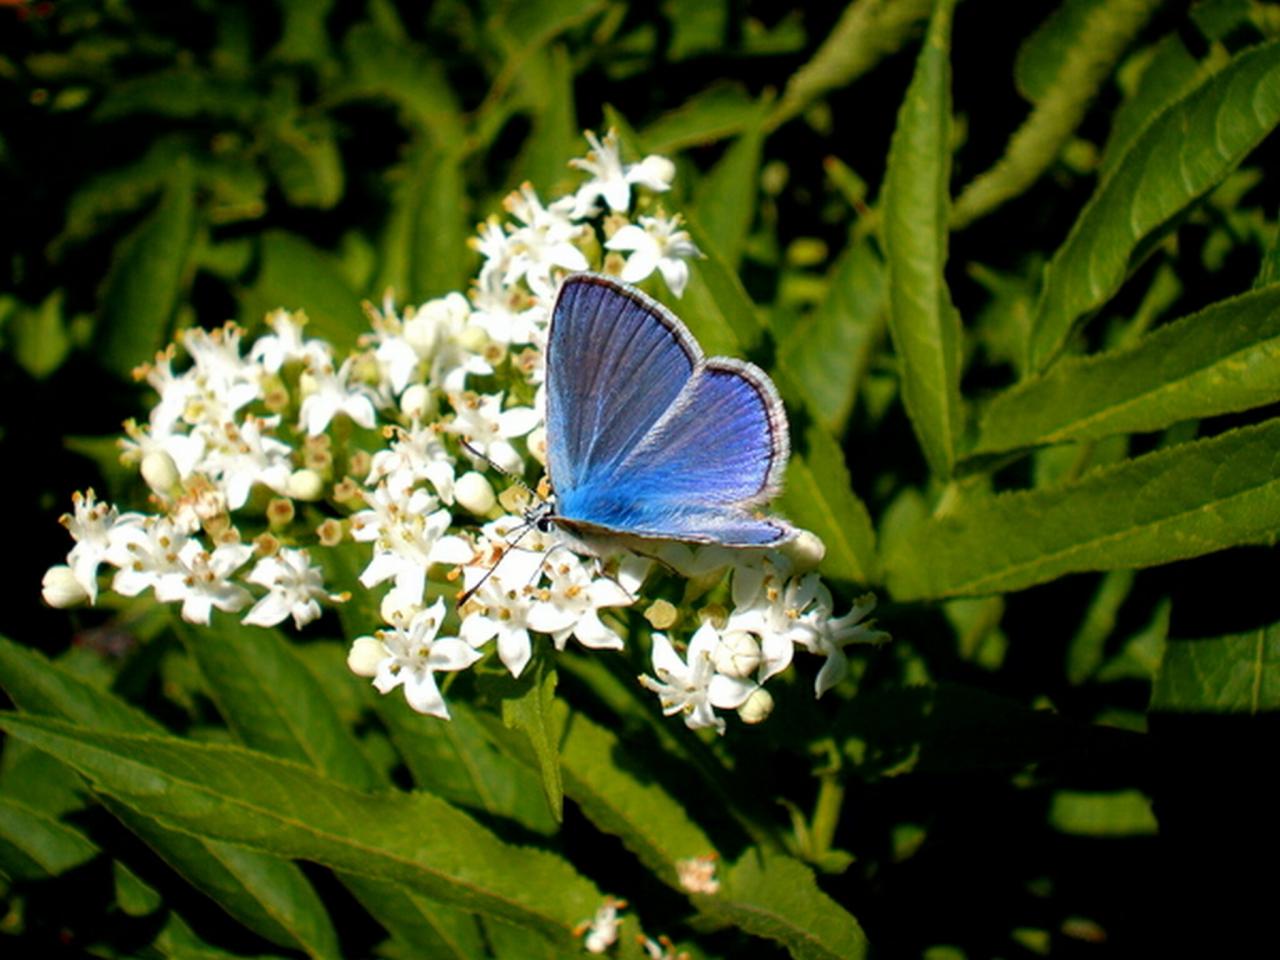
(646, 437)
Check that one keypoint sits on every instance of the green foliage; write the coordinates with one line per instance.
(1018, 288)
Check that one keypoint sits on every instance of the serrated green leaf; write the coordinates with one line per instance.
(271, 701)
(725, 201)
(649, 821)
(530, 706)
(266, 894)
(719, 111)
(1176, 160)
(715, 305)
(1185, 501)
(774, 896)
(147, 276)
(239, 796)
(297, 276)
(819, 497)
(1223, 359)
(916, 204)
(1238, 673)
(35, 845)
(1170, 73)
(826, 356)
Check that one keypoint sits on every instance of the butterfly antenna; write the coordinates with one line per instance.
(502, 470)
(507, 548)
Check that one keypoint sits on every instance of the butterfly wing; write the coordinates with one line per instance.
(616, 361)
(646, 438)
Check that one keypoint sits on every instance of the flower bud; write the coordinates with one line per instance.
(365, 655)
(420, 332)
(757, 706)
(536, 441)
(662, 615)
(305, 484)
(474, 492)
(418, 402)
(473, 338)
(160, 473)
(736, 655)
(805, 550)
(61, 589)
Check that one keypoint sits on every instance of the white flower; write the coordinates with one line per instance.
(602, 929)
(481, 421)
(570, 605)
(832, 634)
(657, 244)
(273, 351)
(698, 874)
(409, 534)
(611, 180)
(694, 688)
(185, 450)
(496, 610)
(327, 393)
(415, 454)
(294, 587)
(507, 314)
(146, 553)
(243, 456)
(202, 581)
(442, 335)
(95, 527)
(772, 611)
(224, 382)
(412, 655)
(542, 243)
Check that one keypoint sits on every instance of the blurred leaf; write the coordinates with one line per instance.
(297, 276)
(715, 305)
(305, 162)
(1185, 501)
(774, 896)
(236, 795)
(268, 895)
(1123, 813)
(1085, 652)
(180, 93)
(1238, 673)
(303, 37)
(925, 325)
(147, 277)
(600, 778)
(1169, 74)
(34, 845)
(1220, 360)
(826, 355)
(713, 114)
(1176, 160)
(1143, 652)
(1269, 272)
(725, 201)
(696, 28)
(547, 84)
(391, 68)
(1042, 54)
(530, 706)
(40, 338)
(819, 497)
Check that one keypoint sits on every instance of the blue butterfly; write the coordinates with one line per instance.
(648, 438)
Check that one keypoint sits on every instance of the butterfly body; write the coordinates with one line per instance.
(649, 439)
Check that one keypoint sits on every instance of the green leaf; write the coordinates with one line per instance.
(271, 701)
(1170, 73)
(819, 497)
(297, 276)
(720, 111)
(715, 305)
(1269, 272)
(1123, 813)
(268, 895)
(725, 202)
(826, 355)
(1041, 55)
(239, 796)
(1085, 652)
(41, 341)
(1176, 160)
(382, 66)
(924, 324)
(529, 705)
(1185, 501)
(555, 137)
(1238, 673)
(774, 896)
(35, 845)
(147, 277)
(1223, 359)
(305, 162)
(182, 92)
(650, 822)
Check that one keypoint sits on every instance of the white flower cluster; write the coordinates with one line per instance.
(452, 385)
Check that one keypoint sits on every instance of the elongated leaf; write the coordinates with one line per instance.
(1176, 160)
(648, 820)
(1185, 501)
(530, 706)
(827, 355)
(265, 893)
(34, 844)
(1223, 359)
(924, 324)
(1239, 673)
(774, 896)
(819, 497)
(272, 702)
(1124, 813)
(237, 795)
(1085, 652)
(306, 164)
(1041, 55)
(715, 113)
(390, 67)
(142, 289)
(715, 305)
(725, 201)
(555, 137)
(1171, 73)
